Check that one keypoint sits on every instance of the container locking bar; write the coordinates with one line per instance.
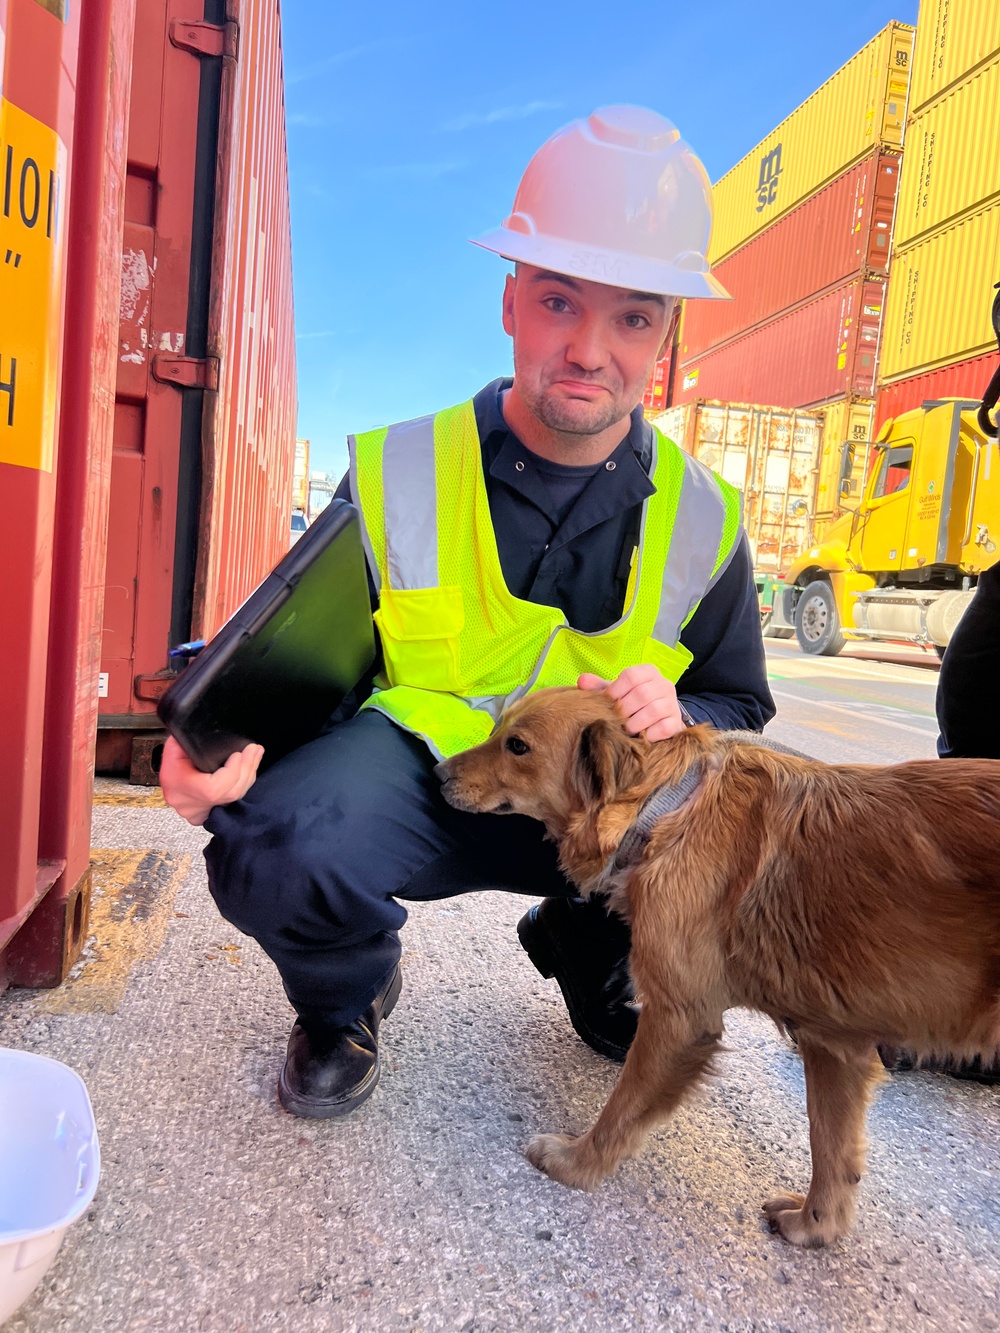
(187, 372)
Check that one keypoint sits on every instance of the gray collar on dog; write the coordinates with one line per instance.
(663, 801)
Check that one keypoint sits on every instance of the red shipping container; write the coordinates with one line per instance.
(816, 353)
(206, 393)
(965, 379)
(64, 78)
(842, 232)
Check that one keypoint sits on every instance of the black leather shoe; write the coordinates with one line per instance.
(899, 1061)
(329, 1072)
(586, 950)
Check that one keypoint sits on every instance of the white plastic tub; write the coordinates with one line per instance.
(49, 1167)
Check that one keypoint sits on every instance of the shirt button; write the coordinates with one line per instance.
(519, 466)
(610, 465)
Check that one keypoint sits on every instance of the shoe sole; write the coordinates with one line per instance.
(537, 944)
(334, 1108)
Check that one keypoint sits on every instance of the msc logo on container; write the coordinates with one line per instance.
(770, 170)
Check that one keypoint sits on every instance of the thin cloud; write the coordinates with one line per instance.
(331, 62)
(498, 114)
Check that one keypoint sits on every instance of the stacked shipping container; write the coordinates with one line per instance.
(946, 247)
(801, 240)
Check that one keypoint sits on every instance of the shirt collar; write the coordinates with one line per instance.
(622, 482)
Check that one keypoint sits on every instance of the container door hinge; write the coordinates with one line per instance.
(187, 372)
(205, 39)
(154, 686)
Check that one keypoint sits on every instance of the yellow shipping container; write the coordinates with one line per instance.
(940, 296)
(849, 420)
(859, 108)
(950, 165)
(953, 36)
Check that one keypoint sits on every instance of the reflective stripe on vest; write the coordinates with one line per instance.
(458, 645)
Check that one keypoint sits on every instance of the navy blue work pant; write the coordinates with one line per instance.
(968, 695)
(312, 861)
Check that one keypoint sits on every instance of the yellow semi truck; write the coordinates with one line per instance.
(902, 563)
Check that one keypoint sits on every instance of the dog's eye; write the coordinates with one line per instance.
(516, 746)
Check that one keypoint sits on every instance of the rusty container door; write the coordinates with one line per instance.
(63, 100)
(204, 413)
(771, 455)
(840, 233)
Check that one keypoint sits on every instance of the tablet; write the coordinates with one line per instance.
(283, 662)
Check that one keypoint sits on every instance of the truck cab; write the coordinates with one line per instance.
(902, 563)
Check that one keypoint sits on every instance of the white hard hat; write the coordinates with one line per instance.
(618, 198)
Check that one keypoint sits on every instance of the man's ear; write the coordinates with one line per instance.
(508, 305)
(606, 762)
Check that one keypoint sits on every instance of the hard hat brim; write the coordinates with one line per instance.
(611, 268)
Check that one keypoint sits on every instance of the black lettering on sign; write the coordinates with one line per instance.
(8, 388)
(31, 184)
(767, 185)
(29, 192)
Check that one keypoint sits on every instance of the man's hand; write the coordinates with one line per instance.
(646, 700)
(194, 794)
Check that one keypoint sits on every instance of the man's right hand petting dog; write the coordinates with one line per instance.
(854, 904)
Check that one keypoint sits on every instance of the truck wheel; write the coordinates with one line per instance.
(817, 621)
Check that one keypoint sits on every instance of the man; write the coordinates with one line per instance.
(541, 534)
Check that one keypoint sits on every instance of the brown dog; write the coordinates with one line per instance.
(853, 904)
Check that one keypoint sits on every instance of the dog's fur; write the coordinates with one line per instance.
(853, 904)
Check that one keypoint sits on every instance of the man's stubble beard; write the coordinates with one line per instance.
(559, 415)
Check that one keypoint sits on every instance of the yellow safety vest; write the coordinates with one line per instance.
(458, 646)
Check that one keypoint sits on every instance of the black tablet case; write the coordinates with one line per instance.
(281, 665)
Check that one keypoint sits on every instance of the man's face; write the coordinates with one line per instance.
(583, 352)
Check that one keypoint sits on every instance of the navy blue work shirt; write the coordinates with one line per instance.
(575, 554)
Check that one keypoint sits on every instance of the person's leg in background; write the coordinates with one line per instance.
(968, 713)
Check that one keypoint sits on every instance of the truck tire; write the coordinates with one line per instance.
(817, 621)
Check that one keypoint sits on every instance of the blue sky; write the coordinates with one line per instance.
(409, 126)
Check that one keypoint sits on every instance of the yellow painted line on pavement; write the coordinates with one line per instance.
(152, 797)
(130, 910)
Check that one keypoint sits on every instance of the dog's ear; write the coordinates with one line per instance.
(607, 761)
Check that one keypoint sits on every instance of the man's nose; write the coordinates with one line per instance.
(587, 347)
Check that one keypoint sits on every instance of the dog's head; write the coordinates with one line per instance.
(554, 754)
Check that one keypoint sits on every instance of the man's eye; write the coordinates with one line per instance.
(516, 746)
(557, 305)
(637, 321)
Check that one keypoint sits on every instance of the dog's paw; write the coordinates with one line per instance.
(560, 1157)
(787, 1215)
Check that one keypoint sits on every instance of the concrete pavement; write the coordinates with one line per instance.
(219, 1213)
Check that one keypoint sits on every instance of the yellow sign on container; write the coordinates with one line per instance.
(32, 165)
(953, 36)
(940, 296)
(950, 165)
(861, 107)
